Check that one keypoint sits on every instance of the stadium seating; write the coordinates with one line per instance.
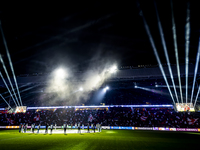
(115, 116)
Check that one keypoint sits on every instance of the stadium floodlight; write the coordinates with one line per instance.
(187, 42)
(136, 86)
(165, 51)
(176, 52)
(80, 89)
(106, 88)
(60, 73)
(113, 69)
(155, 51)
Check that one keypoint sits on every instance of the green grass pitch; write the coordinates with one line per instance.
(107, 139)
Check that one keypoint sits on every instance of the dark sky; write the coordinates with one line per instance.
(42, 36)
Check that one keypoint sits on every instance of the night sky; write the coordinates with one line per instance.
(43, 36)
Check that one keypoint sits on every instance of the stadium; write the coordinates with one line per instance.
(100, 75)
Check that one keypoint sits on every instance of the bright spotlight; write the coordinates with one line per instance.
(106, 88)
(113, 69)
(60, 73)
(136, 86)
(80, 89)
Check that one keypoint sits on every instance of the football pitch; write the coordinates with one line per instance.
(107, 139)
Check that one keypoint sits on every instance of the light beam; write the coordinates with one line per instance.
(176, 52)
(166, 53)
(155, 52)
(197, 96)
(5, 101)
(10, 62)
(195, 71)
(187, 42)
(7, 88)
(4, 67)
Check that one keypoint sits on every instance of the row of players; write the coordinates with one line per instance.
(23, 127)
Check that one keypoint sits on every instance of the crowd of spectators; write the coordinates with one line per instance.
(114, 116)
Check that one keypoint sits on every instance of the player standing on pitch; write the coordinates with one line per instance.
(88, 127)
(71, 126)
(64, 126)
(33, 127)
(82, 126)
(79, 128)
(51, 127)
(46, 129)
(38, 127)
(20, 126)
(25, 128)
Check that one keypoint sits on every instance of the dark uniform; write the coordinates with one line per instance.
(64, 126)
(94, 128)
(88, 127)
(25, 128)
(20, 127)
(46, 131)
(79, 128)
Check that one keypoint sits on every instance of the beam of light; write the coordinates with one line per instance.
(187, 42)
(98, 96)
(7, 88)
(155, 52)
(10, 62)
(29, 88)
(4, 67)
(196, 68)
(169, 86)
(5, 101)
(152, 90)
(197, 96)
(176, 52)
(16, 88)
(165, 50)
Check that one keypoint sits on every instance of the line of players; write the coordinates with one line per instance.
(23, 127)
